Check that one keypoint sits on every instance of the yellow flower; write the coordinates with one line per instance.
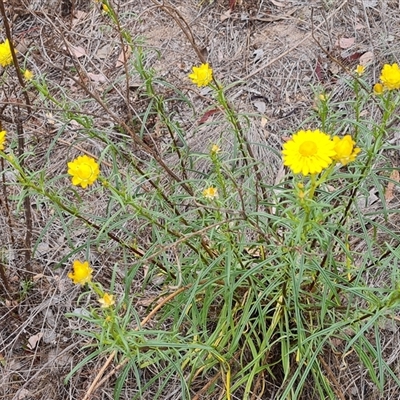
(82, 273)
(210, 193)
(360, 70)
(323, 97)
(5, 54)
(202, 75)
(84, 171)
(105, 8)
(308, 152)
(215, 149)
(390, 76)
(28, 75)
(378, 89)
(345, 150)
(107, 300)
(2, 139)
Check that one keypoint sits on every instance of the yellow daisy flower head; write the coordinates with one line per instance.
(360, 69)
(210, 193)
(378, 89)
(84, 171)
(308, 152)
(390, 76)
(82, 273)
(215, 149)
(2, 139)
(201, 76)
(5, 53)
(28, 75)
(107, 300)
(345, 150)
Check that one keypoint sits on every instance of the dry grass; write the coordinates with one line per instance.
(268, 48)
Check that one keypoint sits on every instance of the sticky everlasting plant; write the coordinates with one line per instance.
(2, 139)
(345, 150)
(268, 280)
(84, 171)
(390, 77)
(210, 192)
(360, 70)
(5, 54)
(308, 152)
(218, 279)
(202, 75)
(28, 75)
(107, 300)
(81, 274)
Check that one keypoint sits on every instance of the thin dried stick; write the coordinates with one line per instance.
(92, 387)
(333, 379)
(4, 279)
(208, 385)
(10, 224)
(21, 139)
(7, 205)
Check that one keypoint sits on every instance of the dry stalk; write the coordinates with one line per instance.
(5, 204)
(5, 282)
(204, 389)
(331, 376)
(21, 144)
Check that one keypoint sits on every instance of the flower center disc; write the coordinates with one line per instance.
(308, 148)
(85, 171)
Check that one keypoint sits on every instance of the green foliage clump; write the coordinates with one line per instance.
(246, 282)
